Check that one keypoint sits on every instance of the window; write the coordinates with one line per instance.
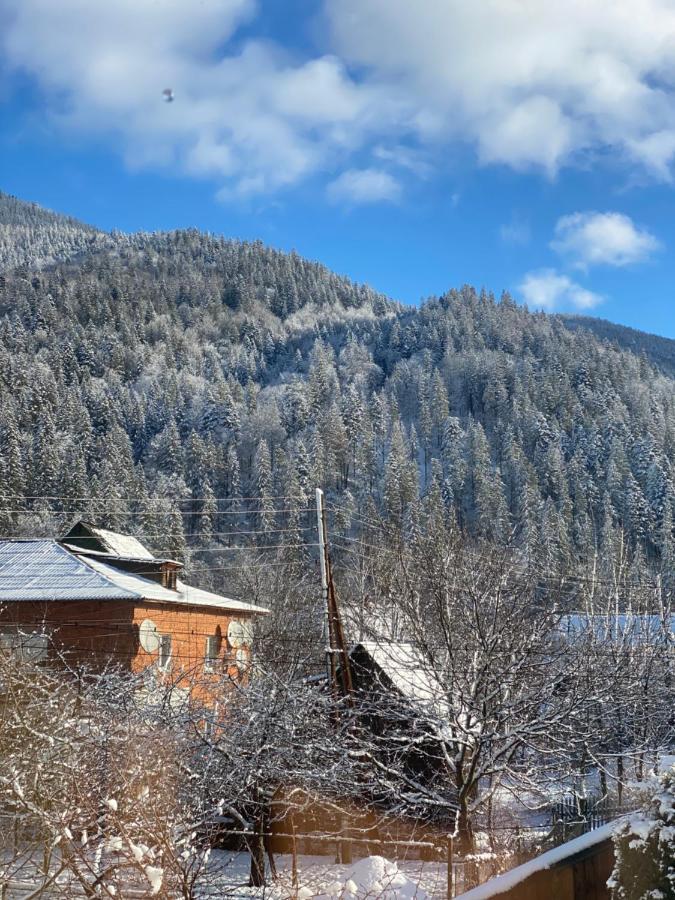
(211, 653)
(164, 651)
(26, 646)
(209, 724)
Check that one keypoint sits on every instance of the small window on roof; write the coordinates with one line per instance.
(164, 659)
(211, 653)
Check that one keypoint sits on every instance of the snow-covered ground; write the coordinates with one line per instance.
(319, 878)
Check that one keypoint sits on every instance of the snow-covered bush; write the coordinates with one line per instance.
(373, 877)
(645, 848)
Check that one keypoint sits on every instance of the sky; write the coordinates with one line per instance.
(515, 145)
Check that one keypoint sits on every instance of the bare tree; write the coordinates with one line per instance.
(496, 690)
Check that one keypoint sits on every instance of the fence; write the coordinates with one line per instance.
(573, 815)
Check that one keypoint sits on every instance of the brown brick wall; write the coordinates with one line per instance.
(91, 631)
(96, 632)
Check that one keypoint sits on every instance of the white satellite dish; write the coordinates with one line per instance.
(148, 636)
(242, 659)
(236, 634)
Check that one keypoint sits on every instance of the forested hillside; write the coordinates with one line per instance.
(656, 349)
(36, 237)
(195, 369)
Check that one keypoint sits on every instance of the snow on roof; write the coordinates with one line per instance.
(506, 882)
(105, 554)
(120, 544)
(184, 595)
(42, 570)
(625, 627)
(405, 669)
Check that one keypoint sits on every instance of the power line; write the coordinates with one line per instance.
(554, 577)
(106, 501)
(189, 534)
(150, 499)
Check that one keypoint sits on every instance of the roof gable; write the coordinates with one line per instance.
(88, 537)
(404, 669)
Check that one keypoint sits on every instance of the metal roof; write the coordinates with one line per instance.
(42, 570)
(624, 628)
(45, 570)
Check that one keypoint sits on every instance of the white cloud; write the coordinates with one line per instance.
(516, 232)
(593, 238)
(249, 116)
(528, 83)
(548, 289)
(358, 186)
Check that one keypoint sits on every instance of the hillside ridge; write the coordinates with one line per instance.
(199, 370)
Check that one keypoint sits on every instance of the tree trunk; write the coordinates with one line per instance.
(267, 843)
(465, 842)
(257, 851)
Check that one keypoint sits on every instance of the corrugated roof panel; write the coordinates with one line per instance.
(42, 570)
(185, 595)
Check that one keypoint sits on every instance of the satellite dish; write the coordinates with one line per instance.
(236, 634)
(148, 636)
(242, 659)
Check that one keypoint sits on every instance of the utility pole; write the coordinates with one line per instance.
(336, 646)
(324, 562)
(335, 641)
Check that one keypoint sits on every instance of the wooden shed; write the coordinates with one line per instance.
(576, 870)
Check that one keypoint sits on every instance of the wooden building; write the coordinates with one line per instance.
(98, 597)
(576, 870)
(399, 702)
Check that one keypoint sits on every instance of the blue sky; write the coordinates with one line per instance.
(412, 146)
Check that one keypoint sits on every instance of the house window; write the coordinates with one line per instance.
(210, 722)
(164, 651)
(31, 647)
(211, 653)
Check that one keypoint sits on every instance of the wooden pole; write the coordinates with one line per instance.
(336, 644)
(294, 862)
(449, 861)
(331, 670)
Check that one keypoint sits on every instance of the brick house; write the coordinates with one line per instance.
(96, 596)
